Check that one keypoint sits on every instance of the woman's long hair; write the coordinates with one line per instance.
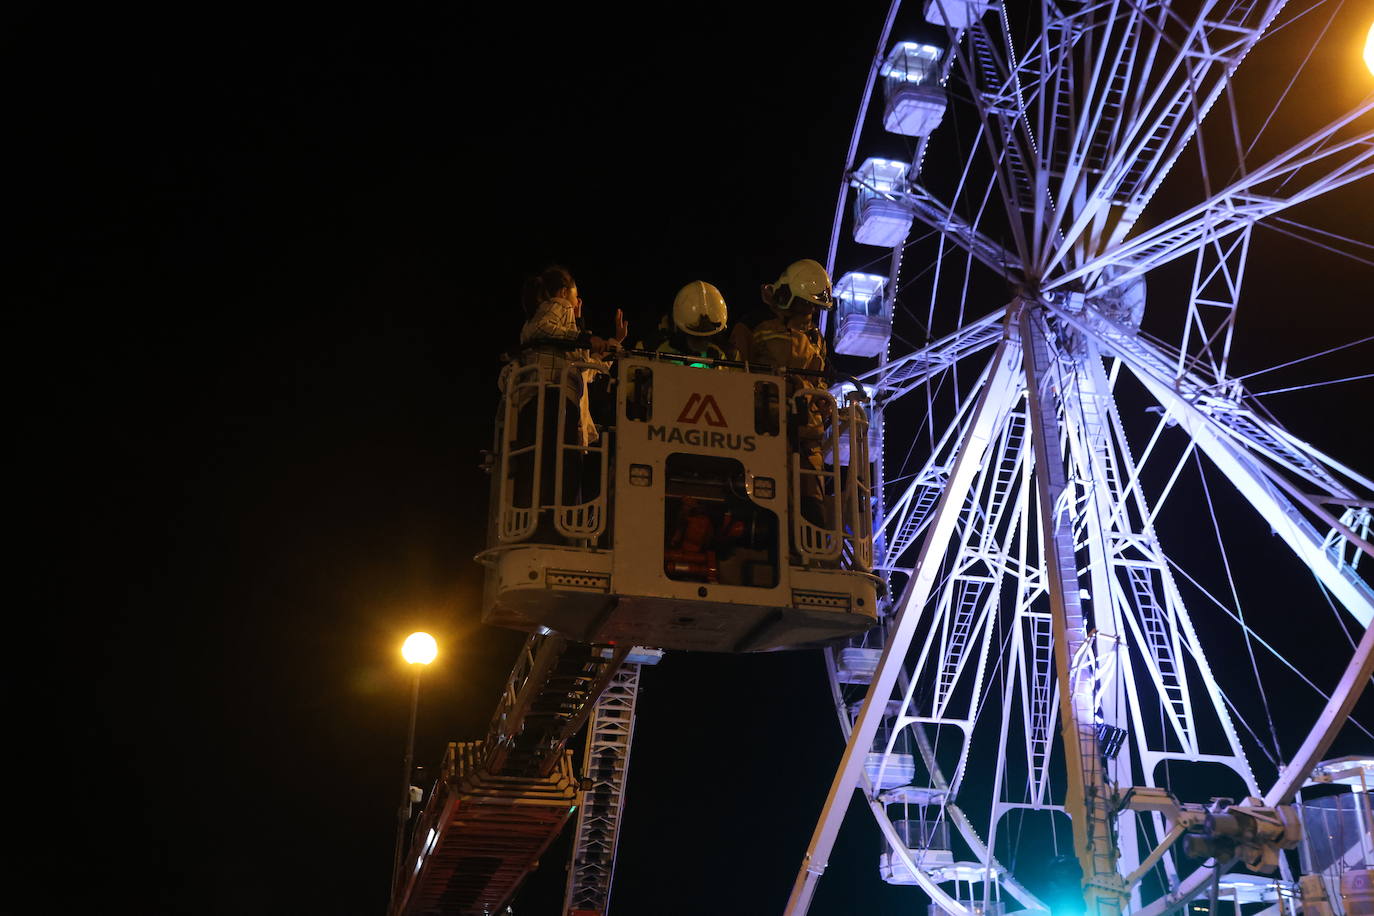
(545, 285)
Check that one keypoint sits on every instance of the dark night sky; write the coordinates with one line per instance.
(269, 257)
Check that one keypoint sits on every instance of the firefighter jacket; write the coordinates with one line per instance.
(782, 347)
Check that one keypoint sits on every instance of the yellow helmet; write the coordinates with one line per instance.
(699, 310)
(805, 279)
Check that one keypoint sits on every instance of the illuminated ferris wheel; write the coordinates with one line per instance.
(1056, 686)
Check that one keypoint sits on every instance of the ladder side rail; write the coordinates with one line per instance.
(605, 770)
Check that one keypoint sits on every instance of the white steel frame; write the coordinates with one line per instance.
(1029, 512)
(610, 733)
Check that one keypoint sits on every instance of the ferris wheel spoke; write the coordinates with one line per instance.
(1218, 273)
(1303, 359)
(1263, 643)
(994, 507)
(1077, 648)
(902, 525)
(1273, 498)
(1189, 85)
(966, 236)
(1334, 381)
(1138, 603)
(1259, 440)
(1250, 198)
(999, 113)
(1235, 599)
(1240, 441)
(905, 374)
(1113, 97)
(1153, 125)
(1296, 72)
(960, 622)
(1322, 245)
(1276, 29)
(941, 217)
(1336, 236)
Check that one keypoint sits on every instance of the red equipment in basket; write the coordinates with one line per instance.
(691, 553)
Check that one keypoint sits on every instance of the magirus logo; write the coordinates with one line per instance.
(702, 408)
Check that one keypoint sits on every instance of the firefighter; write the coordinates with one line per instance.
(696, 325)
(791, 340)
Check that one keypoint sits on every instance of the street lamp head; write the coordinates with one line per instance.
(419, 649)
(1369, 49)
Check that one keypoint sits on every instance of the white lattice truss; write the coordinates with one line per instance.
(605, 765)
(1028, 519)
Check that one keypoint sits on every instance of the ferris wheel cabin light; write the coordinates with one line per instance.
(912, 62)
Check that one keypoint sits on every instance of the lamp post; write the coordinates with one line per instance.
(418, 650)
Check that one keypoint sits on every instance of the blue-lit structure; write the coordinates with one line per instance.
(1039, 691)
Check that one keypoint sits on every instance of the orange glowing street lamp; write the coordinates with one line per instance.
(1369, 49)
(418, 650)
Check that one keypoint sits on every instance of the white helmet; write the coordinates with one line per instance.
(699, 310)
(806, 280)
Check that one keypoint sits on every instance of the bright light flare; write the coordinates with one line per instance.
(1369, 49)
(419, 649)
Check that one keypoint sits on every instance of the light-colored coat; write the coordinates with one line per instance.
(555, 319)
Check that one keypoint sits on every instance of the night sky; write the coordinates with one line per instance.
(268, 259)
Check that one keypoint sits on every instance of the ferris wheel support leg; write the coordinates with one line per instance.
(1086, 800)
(995, 401)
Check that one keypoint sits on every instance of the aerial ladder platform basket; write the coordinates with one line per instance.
(692, 520)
